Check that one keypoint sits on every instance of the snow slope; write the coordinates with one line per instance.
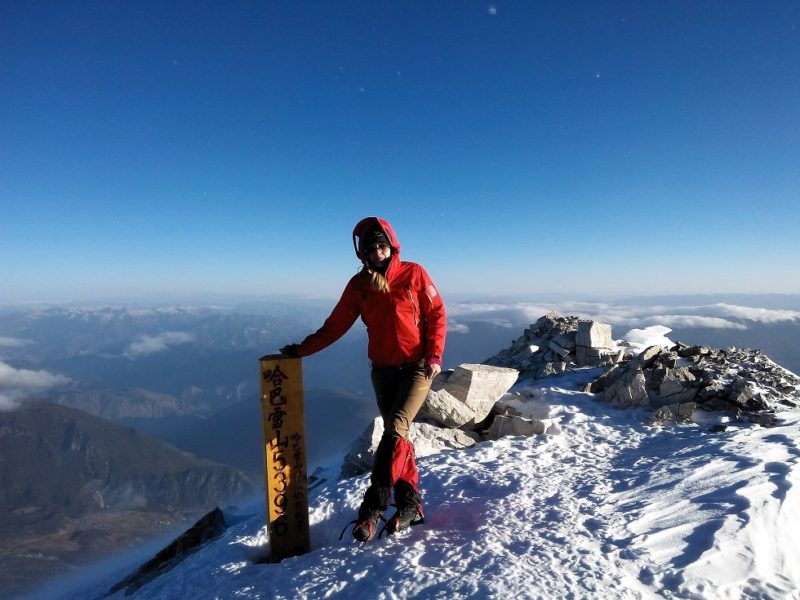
(609, 508)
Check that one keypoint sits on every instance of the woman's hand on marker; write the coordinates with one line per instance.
(291, 350)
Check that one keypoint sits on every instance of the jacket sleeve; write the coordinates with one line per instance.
(435, 318)
(342, 317)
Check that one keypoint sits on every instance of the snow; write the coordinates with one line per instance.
(655, 335)
(609, 508)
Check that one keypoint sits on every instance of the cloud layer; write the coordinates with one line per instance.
(712, 316)
(9, 342)
(763, 315)
(150, 344)
(21, 384)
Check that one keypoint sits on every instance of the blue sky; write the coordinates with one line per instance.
(586, 148)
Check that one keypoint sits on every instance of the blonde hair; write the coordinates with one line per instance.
(377, 281)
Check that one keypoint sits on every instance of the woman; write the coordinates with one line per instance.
(406, 326)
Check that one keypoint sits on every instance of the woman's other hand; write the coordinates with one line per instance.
(432, 369)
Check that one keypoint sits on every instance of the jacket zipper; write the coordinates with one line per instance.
(413, 305)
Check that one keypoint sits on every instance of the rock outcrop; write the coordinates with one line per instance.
(679, 380)
(464, 397)
(555, 343)
(210, 527)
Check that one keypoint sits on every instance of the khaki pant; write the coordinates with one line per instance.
(400, 392)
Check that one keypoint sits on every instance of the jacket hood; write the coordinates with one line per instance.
(365, 225)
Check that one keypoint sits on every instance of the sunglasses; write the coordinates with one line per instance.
(376, 247)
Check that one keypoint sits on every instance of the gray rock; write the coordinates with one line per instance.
(430, 439)
(628, 390)
(741, 392)
(593, 334)
(712, 389)
(692, 351)
(661, 416)
(545, 344)
(211, 526)
(682, 412)
(614, 359)
(565, 340)
(686, 410)
(648, 356)
(444, 408)
(558, 349)
(677, 386)
(514, 425)
(739, 381)
(476, 386)
(592, 357)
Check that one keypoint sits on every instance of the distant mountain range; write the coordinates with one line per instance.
(77, 486)
(190, 361)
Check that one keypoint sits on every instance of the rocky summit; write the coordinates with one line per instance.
(554, 343)
(680, 380)
(675, 381)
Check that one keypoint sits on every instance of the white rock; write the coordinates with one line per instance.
(446, 409)
(478, 386)
(594, 334)
(513, 425)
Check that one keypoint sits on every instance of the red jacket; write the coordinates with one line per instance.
(406, 325)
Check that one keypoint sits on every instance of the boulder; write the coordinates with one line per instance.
(446, 409)
(515, 425)
(475, 387)
(593, 334)
(685, 410)
(713, 388)
(741, 391)
(558, 349)
(678, 386)
(648, 356)
(628, 389)
(592, 357)
(430, 439)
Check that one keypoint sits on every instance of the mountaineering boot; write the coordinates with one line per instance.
(366, 525)
(371, 511)
(404, 518)
(409, 508)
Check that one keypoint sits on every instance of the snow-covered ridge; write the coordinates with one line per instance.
(611, 508)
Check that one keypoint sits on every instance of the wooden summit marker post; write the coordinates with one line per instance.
(285, 453)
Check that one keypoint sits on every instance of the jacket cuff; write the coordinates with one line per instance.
(434, 360)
